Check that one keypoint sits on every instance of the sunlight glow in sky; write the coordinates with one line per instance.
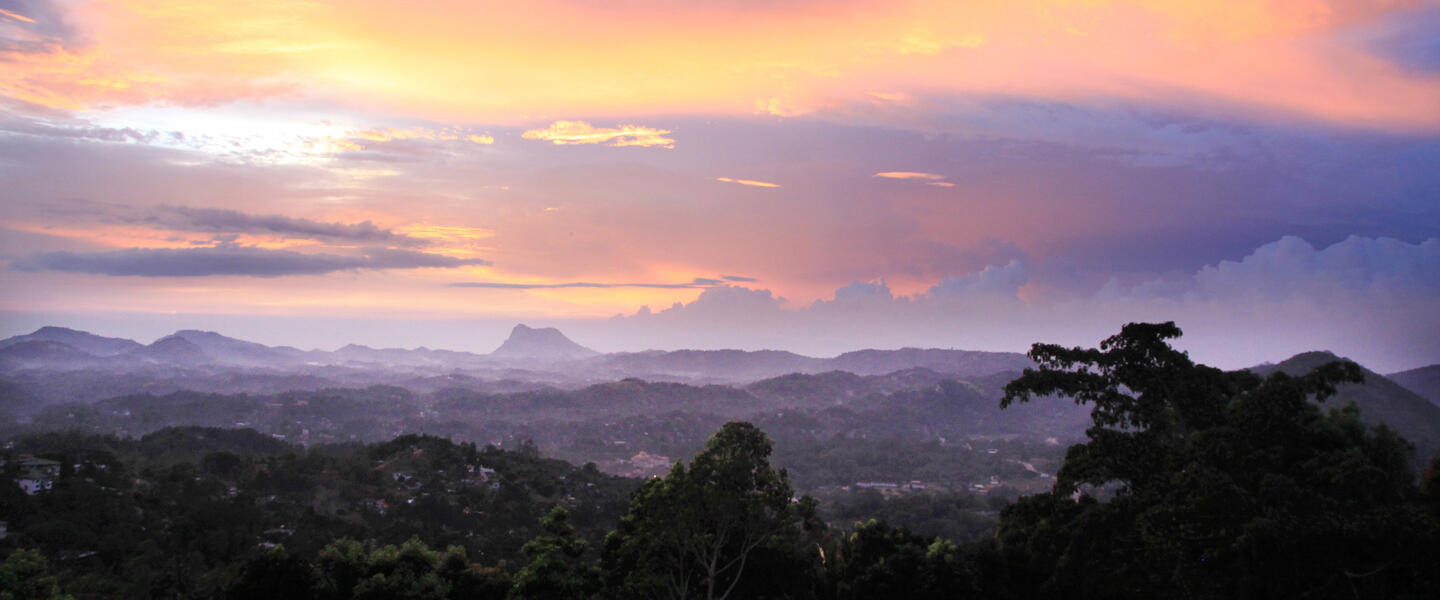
(805, 174)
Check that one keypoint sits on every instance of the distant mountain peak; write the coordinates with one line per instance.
(1299, 364)
(546, 343)
(174, 349)
(83, 341)
(225, 349)
(200, 333)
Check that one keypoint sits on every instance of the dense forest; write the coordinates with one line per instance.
(1189, 482)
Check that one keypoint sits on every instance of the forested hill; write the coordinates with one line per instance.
(176, 512)
(1380, 400)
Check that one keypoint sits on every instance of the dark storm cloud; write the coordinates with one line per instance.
(229, 260)
(233, 221)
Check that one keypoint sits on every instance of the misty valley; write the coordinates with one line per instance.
(720, 299)
(207, 466)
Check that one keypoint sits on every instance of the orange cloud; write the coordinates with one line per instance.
(749, 182)
(452, 240)
(508, 62)
(909, 175)
(17, 17)
(931, 179)
(580, 132)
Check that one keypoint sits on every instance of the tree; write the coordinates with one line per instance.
(556, 570)
(408, 571)
(879, 561)
(25, 575)
(470, 581)
(342, 564)
(691, 534)
(273, 574)
(1221, 484)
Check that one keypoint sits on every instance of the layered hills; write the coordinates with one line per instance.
(538, 369)
(530, 354)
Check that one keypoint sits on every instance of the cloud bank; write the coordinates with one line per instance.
(1369, 298)
(187, 218)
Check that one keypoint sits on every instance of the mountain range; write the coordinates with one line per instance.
(543, 354)
(58, 365)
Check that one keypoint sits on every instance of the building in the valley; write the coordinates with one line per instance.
(37, 474)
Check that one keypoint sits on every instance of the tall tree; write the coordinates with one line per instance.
(692, 534)
(1219, 484)
(556, 570)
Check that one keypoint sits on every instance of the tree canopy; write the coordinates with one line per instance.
(694, 533)
(1217, 484)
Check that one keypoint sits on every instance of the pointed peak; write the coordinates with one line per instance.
(545, 343)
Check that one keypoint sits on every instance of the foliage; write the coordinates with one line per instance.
(274, 574)
(1225, 484)
(25, 575)
(556, 570)
(129, 518)
(1192, 482)
(878, 561)
(693, 533)
(958, 517)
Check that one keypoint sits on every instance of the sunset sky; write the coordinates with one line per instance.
(810, 175)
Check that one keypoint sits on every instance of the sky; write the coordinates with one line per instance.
(810, 175)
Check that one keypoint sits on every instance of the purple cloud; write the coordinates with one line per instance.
(230, 260)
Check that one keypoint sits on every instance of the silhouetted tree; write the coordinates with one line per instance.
(1222, 484)
(879, 561)
(693, 533)
(273, 574)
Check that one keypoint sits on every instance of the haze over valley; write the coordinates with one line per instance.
(719, 299)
